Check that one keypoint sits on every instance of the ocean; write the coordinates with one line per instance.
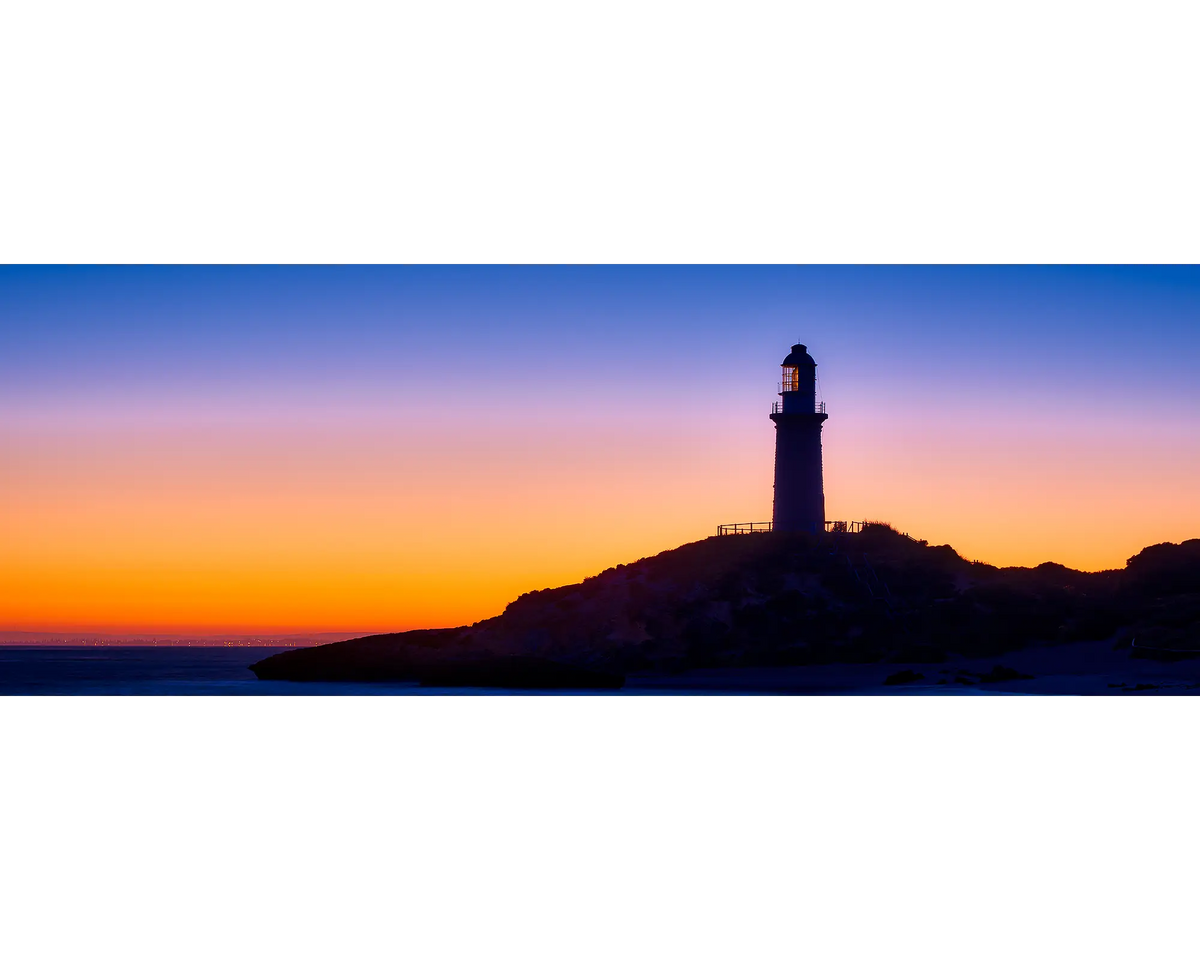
(223, 673)
(114, 672)
(1084, 668)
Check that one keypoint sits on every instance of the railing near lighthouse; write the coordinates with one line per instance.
(777, 407)
(765, 526)
(729, 529)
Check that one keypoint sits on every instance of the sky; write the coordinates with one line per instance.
(226, 450)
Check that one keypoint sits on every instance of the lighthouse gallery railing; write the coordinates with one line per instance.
(831, 526)
(777, 407)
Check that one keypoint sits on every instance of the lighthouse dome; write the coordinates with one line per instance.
(799, 357)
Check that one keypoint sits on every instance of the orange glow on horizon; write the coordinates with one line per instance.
(388, 527)
(244, 532)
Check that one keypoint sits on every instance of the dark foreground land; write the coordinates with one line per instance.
(836, 613)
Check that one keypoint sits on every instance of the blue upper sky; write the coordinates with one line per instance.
(197, 335)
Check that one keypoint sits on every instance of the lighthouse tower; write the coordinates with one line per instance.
(799, 485)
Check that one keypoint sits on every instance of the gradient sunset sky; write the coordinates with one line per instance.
(289, 449)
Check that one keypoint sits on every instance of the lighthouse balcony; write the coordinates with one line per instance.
(831, 526)
(777, 407)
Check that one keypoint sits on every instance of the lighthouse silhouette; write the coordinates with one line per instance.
(799, 484)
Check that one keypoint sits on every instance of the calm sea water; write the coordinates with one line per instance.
(136, 672)
(225, 671)
(222, 672)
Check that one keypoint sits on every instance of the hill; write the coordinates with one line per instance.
(784, 601)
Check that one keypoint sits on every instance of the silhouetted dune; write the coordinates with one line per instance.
(785, 600)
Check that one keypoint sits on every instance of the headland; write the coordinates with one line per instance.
(867, 612)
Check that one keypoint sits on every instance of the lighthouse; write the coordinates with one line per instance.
(799, 485)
